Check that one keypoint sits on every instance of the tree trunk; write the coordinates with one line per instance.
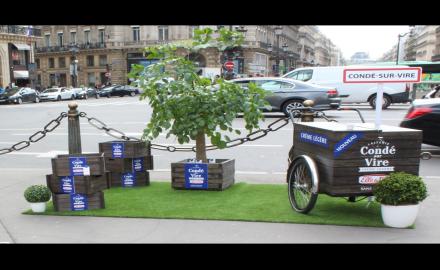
(201, 147)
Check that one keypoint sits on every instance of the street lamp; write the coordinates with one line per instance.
(278, 31)
(285, 47)
(74, 72)
(398, 43)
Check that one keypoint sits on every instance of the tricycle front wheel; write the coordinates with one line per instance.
(302, 178)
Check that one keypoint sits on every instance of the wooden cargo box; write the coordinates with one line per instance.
(221, 174)
(118, 179)
(351, 158)
(125, 149)
(69, 202)
(120, 165)
(82, 184)
(63, 165)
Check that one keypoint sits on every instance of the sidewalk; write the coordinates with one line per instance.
(21, 228)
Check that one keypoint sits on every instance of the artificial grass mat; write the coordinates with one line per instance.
(241, 202)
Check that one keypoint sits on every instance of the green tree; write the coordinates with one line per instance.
(187, 105)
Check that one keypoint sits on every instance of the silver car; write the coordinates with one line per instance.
(286, 94)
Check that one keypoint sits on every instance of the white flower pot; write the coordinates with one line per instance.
(401, 216)
(38, 207)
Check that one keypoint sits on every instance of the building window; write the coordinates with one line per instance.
(90, 60)
(62, 62)
(87, 36)
(136, 33)
(163, 32)
(63, 80)
(39, 79)
(37, 61)
(51, 63)
(52, 80)
(192, 28)
(73, 37)
(102, 60)
(101, 36)
(91, 79)
(47, 40)
(60, 39)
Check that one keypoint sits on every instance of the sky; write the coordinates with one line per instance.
(375, 40)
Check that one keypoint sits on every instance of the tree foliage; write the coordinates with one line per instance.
(185, 104)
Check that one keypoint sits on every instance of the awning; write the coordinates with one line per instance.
(21, 74)
(22, 47)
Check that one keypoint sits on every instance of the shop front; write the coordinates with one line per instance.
(19, 56)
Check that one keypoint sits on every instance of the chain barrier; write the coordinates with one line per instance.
(37, 136)
(274, 126)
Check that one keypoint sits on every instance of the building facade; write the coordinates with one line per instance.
(16, 55)
(306, 47)
(436, 56)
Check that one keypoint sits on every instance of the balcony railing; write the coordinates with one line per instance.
(20, 30)
(83, 46)
(435, 58)
(140, 43)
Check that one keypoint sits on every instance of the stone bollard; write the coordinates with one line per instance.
(308, 115)
(74, 129)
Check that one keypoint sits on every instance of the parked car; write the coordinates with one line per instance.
(76, 91)
(332, 76)
(424, 114)
(19, 95)
(434, 93)
(59, 93)
(287, 93)
(85, 93)
(118, 90)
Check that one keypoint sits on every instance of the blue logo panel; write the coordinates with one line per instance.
(345, 144)
(196, 176)
(314, 138)
(128, 179)
(78, 202)
(117, 150)
(77, 165)
(67, 184)
(138, 164)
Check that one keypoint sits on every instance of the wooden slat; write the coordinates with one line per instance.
(60, 164)
(83, 184)
(131, 149)
(61, 202)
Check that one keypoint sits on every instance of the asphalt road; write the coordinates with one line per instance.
(261, 161)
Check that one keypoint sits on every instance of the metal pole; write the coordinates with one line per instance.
(277, 61)
(379, 102)
(74, 133)
(398, 45)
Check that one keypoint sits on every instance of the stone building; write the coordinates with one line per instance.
(106, 53)
(436, 56)
(16, 54)
(306, 48)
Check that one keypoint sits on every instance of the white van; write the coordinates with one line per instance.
(332, 76)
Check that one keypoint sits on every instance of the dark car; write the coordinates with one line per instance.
(85, 93)
(435, 93)
(425, 115)
(19, 95)
(118, 90)
(285, 94)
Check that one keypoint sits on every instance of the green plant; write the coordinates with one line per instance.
(400, 189)
(188, 106)
(37, 193)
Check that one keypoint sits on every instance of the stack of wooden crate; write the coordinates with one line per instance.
(127, 163)
(77, 182)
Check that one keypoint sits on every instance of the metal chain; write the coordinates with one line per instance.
(274, 126)
(37, 136)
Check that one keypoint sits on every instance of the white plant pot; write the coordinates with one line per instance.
(38, 207)
(401, 216)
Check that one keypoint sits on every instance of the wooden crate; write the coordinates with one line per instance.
(62, 202)
(142, 179)
(83, 184)
(61, 167)
(125, 164)
(132, 149)
(351, 158)
(221, 174)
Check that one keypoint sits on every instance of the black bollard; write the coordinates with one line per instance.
(74, 129)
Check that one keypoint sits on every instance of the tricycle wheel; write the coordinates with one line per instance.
(302, 178)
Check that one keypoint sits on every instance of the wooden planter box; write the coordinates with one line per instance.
(62, 202)
(142, 179)
(120, 165)
(131, 149)
(61, 166)
(220, 174)
(83, 184)
(352, 160)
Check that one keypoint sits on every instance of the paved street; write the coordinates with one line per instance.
(261, 161)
